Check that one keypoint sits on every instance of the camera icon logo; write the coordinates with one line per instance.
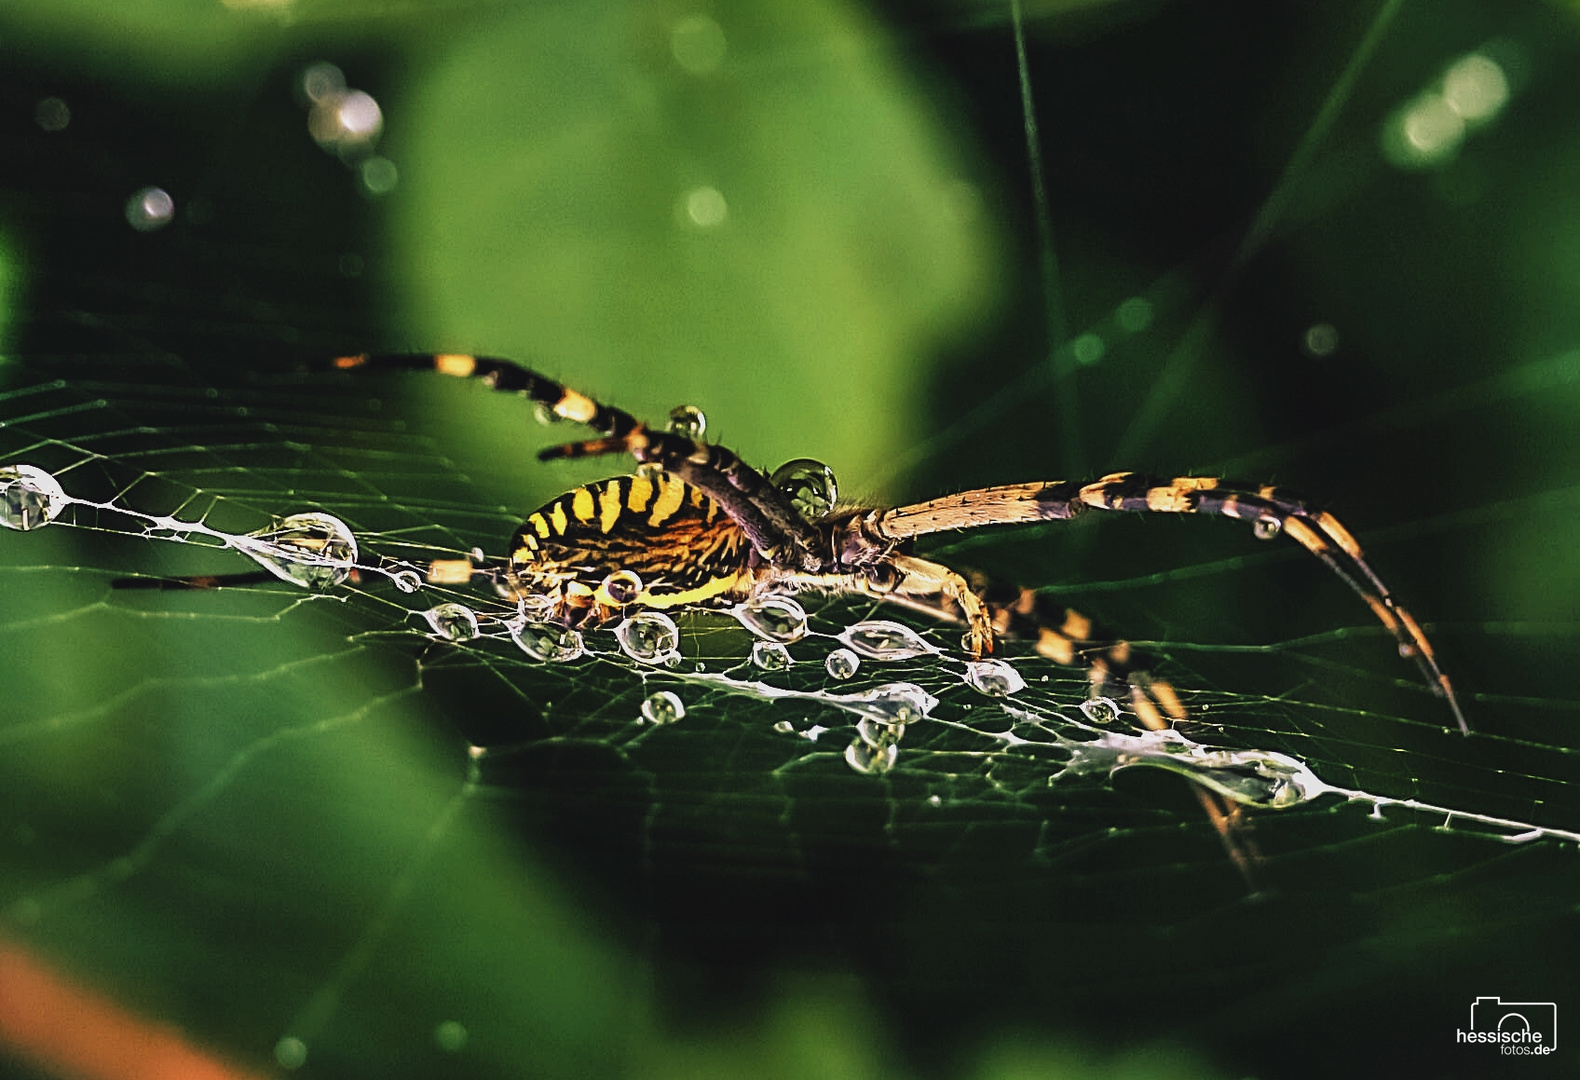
(1515, 1022)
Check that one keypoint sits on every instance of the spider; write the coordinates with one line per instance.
(699, 526)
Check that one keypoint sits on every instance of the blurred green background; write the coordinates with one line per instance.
(820, 223)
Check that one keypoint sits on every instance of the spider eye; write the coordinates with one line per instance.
(809, 485)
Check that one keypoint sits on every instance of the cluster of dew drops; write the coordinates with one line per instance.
(316, 550)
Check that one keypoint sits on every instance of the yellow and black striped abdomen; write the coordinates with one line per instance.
(684, 548)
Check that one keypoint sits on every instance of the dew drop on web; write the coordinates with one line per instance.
(622, 586)
(880, 639)
(770, 656)
(547, 642)
(452, 622)
(995, 678)
(774, 618)
(314, 549)
(29, 497)
(663, 707)
(865, 758)
(407, 581)
(841, 663)
(650, 637)
(809, 485)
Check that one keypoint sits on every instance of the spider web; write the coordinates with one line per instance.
(301, 825)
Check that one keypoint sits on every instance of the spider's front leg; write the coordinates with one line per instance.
(921, 579)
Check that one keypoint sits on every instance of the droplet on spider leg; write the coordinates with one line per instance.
(453, 622)
(664, 707)
(995, 678)
(771, 656)
(776, 618)
(407, 581)
(687, 421)
(547, 642)
(1266, 528)
(545, 415)
(841, 663)
(622, 586)
(809, 485)
(650, 637)
(314, 549)
(29, 497)
(880, 639)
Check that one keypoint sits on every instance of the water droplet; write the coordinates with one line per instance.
(453, 622)
(809, 485)
(842, 663)
(621, 587)
(1266, 528)
(771, 656)
(892, 703)
(547, 642)
(880, 639)
(1100, 710)
(534, 607)
(664, 707)
(878, 735)
(407, 581)
(784, 727)
(935, 800)
(687, 421)
(995, 678)
(650, 637)
(29, 497)
(313, 549)
(777, 618)
(872, 760)
(150, 208)
(545, 415)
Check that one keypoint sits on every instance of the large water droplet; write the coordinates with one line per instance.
(878, 735)
(313, 549)
(651, 637)
(664, 707)
(622, 587)
(995, 678)
(892, 703)
(880, 639)
(776, 618)
(842, 663)
(1101, 710)
(29, 497)
(865, 758)
(809, 485)
(687, 421)
(453, 622)
(547, 642)
(770, 655)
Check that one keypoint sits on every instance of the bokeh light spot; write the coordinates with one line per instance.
(1476, 88)
(1088, 349)
(705, 207)
(1321, 339)
(52, 114)
(450, 1036)
(379, 176)
(698, 44)
(321, 80)
(150, 208)
(1134, 315)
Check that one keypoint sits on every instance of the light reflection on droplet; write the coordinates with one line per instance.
(1088, 349)
(150, 208)
(52, 114)
(698, 44)
(290, 1052)
(29, 497)
(1432, 127)
(379, 176)
(1476, 88)
(842, 663)
(1321, 340)
(451, 1036)
(663, 707)
(771, 656)
(1134, 315)
(321, 80)
(705, 207)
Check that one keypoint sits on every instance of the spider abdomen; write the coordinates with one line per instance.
(676, 540)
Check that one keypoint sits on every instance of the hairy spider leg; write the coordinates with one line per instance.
(775, 528)
(1317, 531)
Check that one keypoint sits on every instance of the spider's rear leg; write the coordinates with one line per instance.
(932, 583)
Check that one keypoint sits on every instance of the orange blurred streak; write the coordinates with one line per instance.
(72, 1031)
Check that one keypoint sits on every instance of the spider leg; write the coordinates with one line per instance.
(775, 528)
(920, 578)
(1268, 508)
